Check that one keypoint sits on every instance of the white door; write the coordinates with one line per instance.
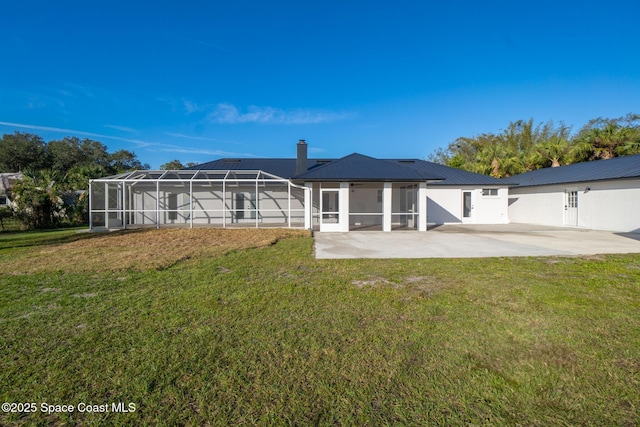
(330, 210)
(467, 206)
(571, 208)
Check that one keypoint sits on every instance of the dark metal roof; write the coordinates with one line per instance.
(357, 167)
(452, 176)
(598, 170)
(285, 168)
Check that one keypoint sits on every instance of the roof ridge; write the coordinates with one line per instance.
(331, 162)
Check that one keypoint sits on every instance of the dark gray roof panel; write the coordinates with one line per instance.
(452, 176)
(356, 167)
(598, 170)
(285, 168)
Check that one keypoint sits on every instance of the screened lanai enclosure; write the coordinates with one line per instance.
(191, 198)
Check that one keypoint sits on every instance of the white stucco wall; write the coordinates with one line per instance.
(273, 205)
(444, 206)
(537, 205)
(608, 205)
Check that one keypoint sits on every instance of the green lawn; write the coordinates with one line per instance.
(271, 336)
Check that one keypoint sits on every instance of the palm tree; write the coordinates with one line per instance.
(608, 138)
(38, 198)
(553, 152)
(490, 158)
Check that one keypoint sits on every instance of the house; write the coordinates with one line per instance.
(355, 192)
(600, 195)
(6, 182)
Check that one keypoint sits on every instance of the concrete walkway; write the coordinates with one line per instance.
(474, 241)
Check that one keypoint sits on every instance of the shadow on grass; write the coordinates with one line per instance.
(31, 238)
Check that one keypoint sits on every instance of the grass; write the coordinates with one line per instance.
(262, 333)
(140, 249)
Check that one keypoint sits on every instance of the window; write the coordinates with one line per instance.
(3, 201)
(489, 192)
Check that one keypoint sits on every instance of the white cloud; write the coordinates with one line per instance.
(35, 104)
(191, 107)
(138, 142)
(204, 151)
(316, 150)
(201, 138)
(197, 138)
(188, 106)
(86, 91)
(230, 114)
(122, 128)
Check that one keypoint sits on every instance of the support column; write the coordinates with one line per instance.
(289, 204)
(106, 205)
(90, 206)
(124, 205)
(157, 204)
(308, 205)
(422, 206)
(190, 204)
(224, 204)
(387, 202)
(344, 206)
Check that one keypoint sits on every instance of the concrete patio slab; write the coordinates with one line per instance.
(475, 241)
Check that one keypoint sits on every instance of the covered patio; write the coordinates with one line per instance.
(368, 206)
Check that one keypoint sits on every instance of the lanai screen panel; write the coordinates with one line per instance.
(196, 198)
(404, 206)
(365, 206)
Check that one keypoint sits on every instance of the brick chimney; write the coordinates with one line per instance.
(301, 159)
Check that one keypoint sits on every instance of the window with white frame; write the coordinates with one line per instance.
(488, 192)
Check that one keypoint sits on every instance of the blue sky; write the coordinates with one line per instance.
(199, 80)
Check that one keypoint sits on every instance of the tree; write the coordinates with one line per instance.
(607, 138)
(38, 198)
(552, 152)
(56, 176)
(65, 153)
(489, 157)
(172, 165)
(124, 161)
(554, 147)
(523, 146)
(78, 180)
(22, 151)
(94, 153)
